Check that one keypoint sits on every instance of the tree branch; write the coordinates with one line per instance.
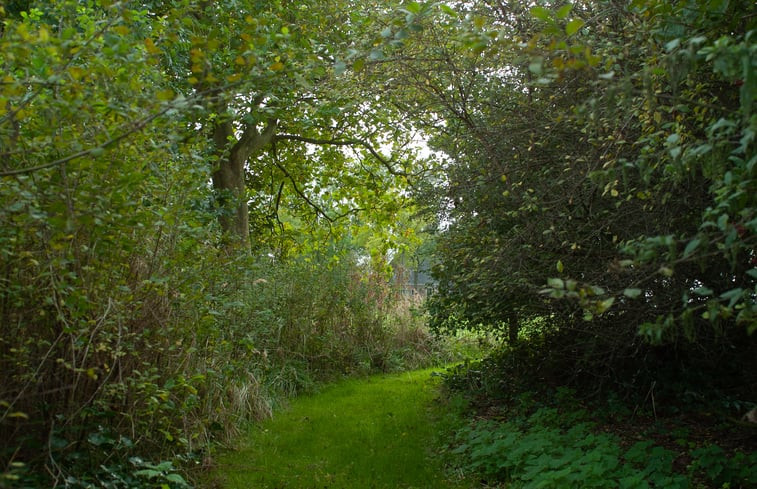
(276, 209)
(346, 142)
(136, 126)
(296, 188)
(131, 128)
(252, 140)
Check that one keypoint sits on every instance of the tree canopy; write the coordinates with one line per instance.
(598, 153)
(196, 195)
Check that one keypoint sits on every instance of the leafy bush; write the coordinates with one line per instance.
(181, 348)
(610, 167)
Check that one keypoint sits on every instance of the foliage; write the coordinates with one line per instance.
(190, 367)
(660, 120)
(542, 446)
(595, 175)
(594, 181)
(132, 338)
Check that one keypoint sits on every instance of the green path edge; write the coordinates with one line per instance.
(375, 432)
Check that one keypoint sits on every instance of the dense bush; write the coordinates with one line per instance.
(178, 350)
(598, 175)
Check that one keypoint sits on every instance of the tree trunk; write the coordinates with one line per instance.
(512, 326)
(229, 176)
(229, 184)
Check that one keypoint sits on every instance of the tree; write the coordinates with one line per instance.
(273, 94)
(124, 331)
(583, 166)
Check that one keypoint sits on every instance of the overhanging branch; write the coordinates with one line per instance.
(133, 127)
(296, 188)
(128, 129)
(346, 142)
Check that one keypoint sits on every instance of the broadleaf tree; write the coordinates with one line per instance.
(598, 176)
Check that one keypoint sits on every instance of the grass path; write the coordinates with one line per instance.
(359, 434)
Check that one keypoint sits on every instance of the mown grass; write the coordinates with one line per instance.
(377, 432)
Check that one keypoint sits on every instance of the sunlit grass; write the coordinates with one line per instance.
(367, 433)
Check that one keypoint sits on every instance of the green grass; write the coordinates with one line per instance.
(378, 432)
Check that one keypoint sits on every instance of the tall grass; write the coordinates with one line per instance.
(157, 348)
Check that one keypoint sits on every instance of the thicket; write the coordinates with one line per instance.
(132, 338)
(136, 333)
(596, 207)
(153, 345)
(598, 179)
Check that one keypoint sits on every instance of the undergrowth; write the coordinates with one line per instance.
(526, 434)
(132, 386)
(552, 448)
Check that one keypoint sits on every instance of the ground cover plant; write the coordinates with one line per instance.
(521, 435)
(558, 448)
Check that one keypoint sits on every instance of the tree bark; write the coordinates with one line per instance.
(513, 326)
(229, 175)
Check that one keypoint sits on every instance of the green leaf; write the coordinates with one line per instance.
(632, 293)
(149, 473)
(723, 222)
(540, 13)
(573, 26)
(703, 291)
(175, 478)
(604, 305)
(691, 247)
(536, 65)
(671, 45)
(732, 295)
(596, 290)
(413, 7)
(556, 283)
(559, 266)
(564, 11)
(666, 271)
